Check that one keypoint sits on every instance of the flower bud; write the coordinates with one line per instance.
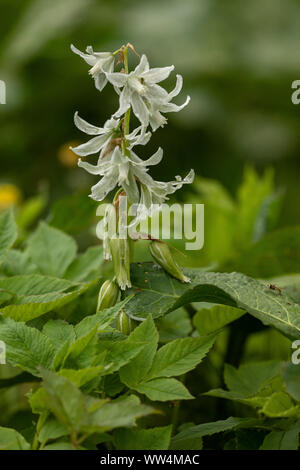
(108, 295)
(124, 323)
(121, 258)
(162, 255)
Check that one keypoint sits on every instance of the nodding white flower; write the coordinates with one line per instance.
(141, 92)
(101, 63)
(105, 135)
(127, 172)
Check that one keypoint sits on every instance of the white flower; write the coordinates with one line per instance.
(118, 169)
(110, 131)
(141, 92)
(101, 63)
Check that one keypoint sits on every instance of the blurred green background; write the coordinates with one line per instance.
(238, 60)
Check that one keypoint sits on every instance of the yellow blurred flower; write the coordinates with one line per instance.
(10, 195)
(66, 156)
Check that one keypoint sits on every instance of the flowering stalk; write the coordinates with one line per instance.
(118, 164)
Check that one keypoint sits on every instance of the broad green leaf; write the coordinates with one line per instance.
(82, 376)
(60, 445)
(174, 325)
(26, 347)
(121, 412)
(275, 254)
(64, 399)
(118, 353)
(17, 263)
(134, 372)
(34, 284)
(283, 440)
(156, 293)
(86, 266)
(61, 335)
(82, 351)
(52, 429)
(101, 319)
(181, 439)
(280, 405)
(27, 307)
(10, 439)
(251, 197)
(291, 376)
(51, 250)
(163, 389)
(8, 231)
(248, 378)
(180, 356)
(141, 439)
(209, 320)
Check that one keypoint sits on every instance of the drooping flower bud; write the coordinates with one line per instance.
(108, 295)
(120, 251)
(162, 255)
(124, 323)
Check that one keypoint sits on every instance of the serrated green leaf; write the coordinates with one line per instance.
(163, 389)
(26, 347)
(51, 250)
(85, 265)
(283, 440)
(134, 372)
(180, 356)
(52, 429)
(8, 231)
(280, 405)
(118, 353)
(181, 439)
(143, 439)
(10, 439)
(174, 325)
(28, 307)
(34, 284)
(82, 376)
(209, 320)
(157, 293)
(17, 263)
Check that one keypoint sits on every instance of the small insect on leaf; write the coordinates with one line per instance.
(274, 287)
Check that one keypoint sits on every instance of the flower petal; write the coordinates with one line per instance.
(92, 146)
(124, 101)
(104, 186)
(142, 67)
(157, 74)
(139, 108)
(171, 107)
(177, 88)
(117, 78)
(100, 81)
(84, 126)
(90, 59)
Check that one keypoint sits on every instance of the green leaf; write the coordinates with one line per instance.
(134, 372)
(142, 439)
(17, 263)
(82, 351)
(181, 440)
(86, 266)
(26, 347)
(180, 356)
(174, 325)
(8, 231)
(121, 412)
(156, 293)
(276, 253)
(27, 307)
(283, 440)
(163, 390)
(280, 405)
(209, 320)
(82, 376)
(51, 250)
(61, 335)
(52, 429)
(101, 319)
(291, 376)
(10, 439)
(117, 354)
(34, 284)
(64, 399)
